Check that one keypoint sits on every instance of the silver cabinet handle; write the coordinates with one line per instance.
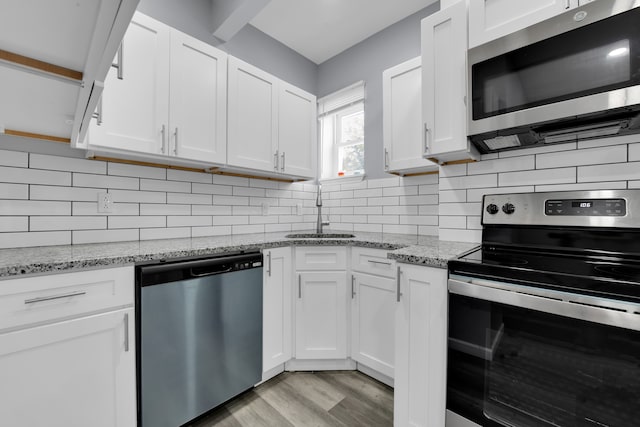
(282, 166)
(119, 65)
(52, 297)
(175, 147)
(386, 159)
(568, 5)
(276, 161)
(426, 138)
(398, 294)
(353, 289)
(269, 263)
(163, 131)
(378, 262)
(98, 114)
(126, 332)
(299, 286)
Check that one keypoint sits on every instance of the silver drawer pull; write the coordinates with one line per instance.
(378, 262)
(126, 332)
(41, 299)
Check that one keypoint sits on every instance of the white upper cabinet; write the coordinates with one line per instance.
(492, 19)
(272, 124)
(166, 98)
(444, 83)
(56, 55)
(253, 117)
(297, 124)
(403, 129)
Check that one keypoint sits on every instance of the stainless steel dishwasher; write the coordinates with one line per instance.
(199, 334)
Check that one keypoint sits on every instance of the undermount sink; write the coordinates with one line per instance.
(320, 236)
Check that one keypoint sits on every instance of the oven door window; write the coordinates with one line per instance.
(510, 366)
(596, 58)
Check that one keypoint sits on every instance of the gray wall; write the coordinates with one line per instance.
(366, 61)
(250, 44)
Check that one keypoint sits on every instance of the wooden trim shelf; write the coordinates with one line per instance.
(37, 136)
(41, 66)
(415, 173)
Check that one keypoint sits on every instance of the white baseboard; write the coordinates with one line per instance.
(384, 379)
(320, 365)
(267, 375)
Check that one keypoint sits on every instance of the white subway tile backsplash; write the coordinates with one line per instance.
(537, 150)
(137, 221)
(66, 164)
(105, 181)
(400, 229)
(14, 158)
(188, 176)
(607, 185)
(189, 199)
(230, 180)
(35, 238)
(13, 224)
(171, 186)
(247, 229)
(250, 210)
(384, 219)
(51, 223)
(610, 172)
(354, 219)
(400, 191)
(133, 196)
(475, 195)
(100, 236)
(428, 210)
(135, 171)
(164, 233)
(538, 177)
(383, 182)
(74, 194)
(200, 188)
(368, 210)
(248, 191)
(188, 221)
(449, 171)
(14, 191)
(91, 208)
(453, 222)
(457, 209)
(455, 235)
(400, 210)
(348, 194)
(353, 202)
(158, 209)
(604, 142)
(220, 230)
(591, 156)
(211, 210)
(286, 194)
(262, 183)
(260, 219)
(465, 182)
(430, 179)
(273, 228)
(374, 192)
(419, 219)
(474, 223)
(33, 207)
(502, 165)
(34, 176)
(456, 196)
(428, 230)
(368, 228)
(634, 152)
(230, 220)
(230, 200)
(427, 199)
(428, 189)
(384, 201)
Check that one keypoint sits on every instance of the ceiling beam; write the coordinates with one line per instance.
(229, 16)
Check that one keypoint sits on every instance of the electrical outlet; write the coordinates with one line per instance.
(265, 209)
(299, 209)
(105, 202)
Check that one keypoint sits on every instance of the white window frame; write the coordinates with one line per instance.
(330, 109)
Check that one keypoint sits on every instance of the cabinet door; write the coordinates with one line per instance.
(491, 19)
(444, 44)
(373, 321)
(198, 99)
(135, 109)
(277, 334)
(75, 373)
(252, 117)
(321, 315)
(421, 347)
(403, 131)
(297, 131)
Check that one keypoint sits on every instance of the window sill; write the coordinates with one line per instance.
(343, 180)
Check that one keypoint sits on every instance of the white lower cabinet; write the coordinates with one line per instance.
(60, 368)
(421, 347)
(320, 295)
(372, 320)
(277, 330)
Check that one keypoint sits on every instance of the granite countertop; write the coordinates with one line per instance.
(423, 250)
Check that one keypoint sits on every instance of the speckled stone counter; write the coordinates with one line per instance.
(424, 250)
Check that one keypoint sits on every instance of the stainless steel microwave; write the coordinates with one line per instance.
(572, 77)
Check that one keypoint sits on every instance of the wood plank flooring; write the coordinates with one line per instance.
(318, 399)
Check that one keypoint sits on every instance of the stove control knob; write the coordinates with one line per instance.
(508, 208)
(492, 209)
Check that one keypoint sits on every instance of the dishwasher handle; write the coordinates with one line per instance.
(164, 272)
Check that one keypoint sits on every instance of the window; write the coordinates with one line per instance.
(341, 117)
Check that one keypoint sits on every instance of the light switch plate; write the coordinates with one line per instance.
(105, 203)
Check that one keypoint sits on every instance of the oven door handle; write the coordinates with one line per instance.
(592, 309)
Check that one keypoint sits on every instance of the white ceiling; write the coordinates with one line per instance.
(321, 29)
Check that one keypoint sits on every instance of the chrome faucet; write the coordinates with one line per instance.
(319, 205)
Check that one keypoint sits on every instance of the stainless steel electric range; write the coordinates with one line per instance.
(544, 316)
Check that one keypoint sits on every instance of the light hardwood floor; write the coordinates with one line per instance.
(319, 399)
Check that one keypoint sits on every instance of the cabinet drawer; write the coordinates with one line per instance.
(321, 258)
(372, 261)
(30, 300)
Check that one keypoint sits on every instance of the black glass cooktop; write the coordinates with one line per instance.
(604, 276)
